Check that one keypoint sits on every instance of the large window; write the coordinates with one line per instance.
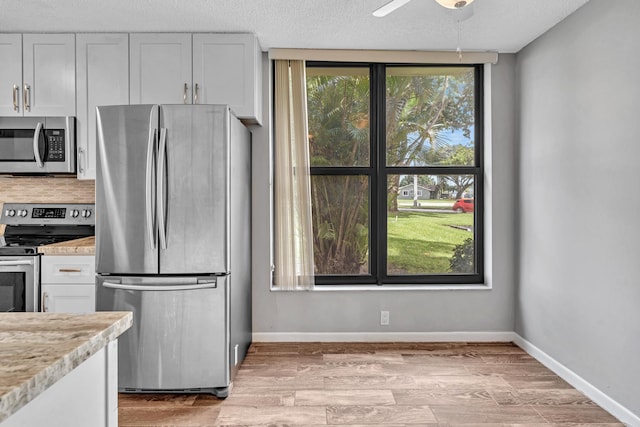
(396, 165)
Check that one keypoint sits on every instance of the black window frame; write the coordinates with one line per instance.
(378, 172)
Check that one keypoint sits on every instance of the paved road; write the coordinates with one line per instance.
(427, 210)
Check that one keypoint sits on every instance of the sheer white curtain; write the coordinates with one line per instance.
(293, 228)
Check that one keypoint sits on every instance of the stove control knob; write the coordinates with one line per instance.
(10, 212)
(74, 213)
(22, 212)
(86, 213)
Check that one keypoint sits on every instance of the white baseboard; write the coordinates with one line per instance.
(608, 404)
(497, 336)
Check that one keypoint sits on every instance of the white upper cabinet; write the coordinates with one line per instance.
(11, 75)
(38, 75)
(160, 68)
(206, 68)
(226, 70)
(102, 72)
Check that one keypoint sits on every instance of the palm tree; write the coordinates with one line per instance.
(421, 109)
(339, 136)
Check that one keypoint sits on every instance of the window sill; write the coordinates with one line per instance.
(367, 288)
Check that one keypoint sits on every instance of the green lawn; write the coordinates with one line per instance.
(423, 243)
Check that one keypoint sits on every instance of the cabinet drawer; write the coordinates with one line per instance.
(68, 269)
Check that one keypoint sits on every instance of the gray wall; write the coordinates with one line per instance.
(579, 294)
(410, 311)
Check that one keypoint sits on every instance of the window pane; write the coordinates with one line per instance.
(432, 233)
(430, 116)
(338, 103)
(340, 209)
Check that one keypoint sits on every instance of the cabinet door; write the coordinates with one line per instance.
(11, 75)
(102, 71)
(49, 74)
(77, 298)
(160, 68)
(226, 68)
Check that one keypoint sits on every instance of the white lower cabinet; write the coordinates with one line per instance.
(68, 284)
(76, 298)
(86, 396)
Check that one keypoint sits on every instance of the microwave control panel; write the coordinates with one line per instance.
(55, 145)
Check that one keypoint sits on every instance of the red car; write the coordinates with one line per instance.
(463, 205)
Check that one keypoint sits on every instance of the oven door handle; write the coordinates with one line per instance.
(16, 263)
(176, 287)
(36, 145)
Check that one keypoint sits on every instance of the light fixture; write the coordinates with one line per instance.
(454, 4)
(392, 5)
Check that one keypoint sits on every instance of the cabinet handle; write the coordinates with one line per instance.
(70, 270)
(184, 94)
(195, 98)
(16, 107)
(43, 307)
(26, 101)
(81, 154)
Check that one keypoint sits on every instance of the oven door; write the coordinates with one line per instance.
(19, 283)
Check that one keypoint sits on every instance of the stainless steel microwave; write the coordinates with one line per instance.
(37, 145)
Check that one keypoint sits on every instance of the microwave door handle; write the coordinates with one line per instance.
(150, 184)
(162, 211)
(36, 145)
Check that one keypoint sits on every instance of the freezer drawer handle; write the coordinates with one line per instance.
(16, 263)
(176, 287)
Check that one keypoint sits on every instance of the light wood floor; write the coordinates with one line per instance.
(387, 384)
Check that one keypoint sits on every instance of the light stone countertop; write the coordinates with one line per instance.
(38, 349)
(83, 246)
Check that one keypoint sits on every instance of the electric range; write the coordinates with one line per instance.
(27, 226)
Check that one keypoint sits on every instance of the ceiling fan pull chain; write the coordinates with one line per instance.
(459, 49)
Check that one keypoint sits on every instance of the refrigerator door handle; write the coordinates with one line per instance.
(149, 199)
(202, 284)
(162, 166)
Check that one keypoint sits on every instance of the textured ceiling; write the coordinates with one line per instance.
(498, 25)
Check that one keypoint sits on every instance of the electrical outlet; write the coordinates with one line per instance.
(384, 318)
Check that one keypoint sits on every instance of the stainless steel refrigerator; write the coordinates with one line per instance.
(173, 243)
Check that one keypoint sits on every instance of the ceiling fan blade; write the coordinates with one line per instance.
(389, 7)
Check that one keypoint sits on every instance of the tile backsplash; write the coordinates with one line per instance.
(45, 190)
